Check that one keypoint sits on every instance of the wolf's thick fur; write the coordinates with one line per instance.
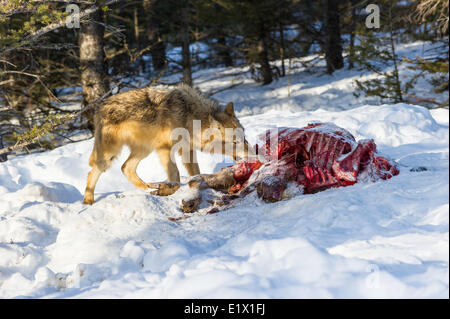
(143, 120)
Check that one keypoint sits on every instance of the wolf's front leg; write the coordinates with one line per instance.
(171, 168)
(191, 166)
(190, 162)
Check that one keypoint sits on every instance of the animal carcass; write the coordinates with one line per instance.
(313, 158)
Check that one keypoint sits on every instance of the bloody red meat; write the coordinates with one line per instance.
(315, 157)
(318, 156)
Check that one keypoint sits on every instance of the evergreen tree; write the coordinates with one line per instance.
(376, 52)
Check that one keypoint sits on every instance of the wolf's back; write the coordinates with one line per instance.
(169, 107)
(139, 105)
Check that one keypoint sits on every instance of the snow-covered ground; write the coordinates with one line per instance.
(387, 239)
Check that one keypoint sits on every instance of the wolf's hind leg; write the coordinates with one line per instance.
(100, 161)
(130, 166)
(93, 176)
(98, 167)
(171, 168)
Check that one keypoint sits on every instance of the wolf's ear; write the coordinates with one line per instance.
(229, 109)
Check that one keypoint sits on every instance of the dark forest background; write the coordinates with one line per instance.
(46, 67)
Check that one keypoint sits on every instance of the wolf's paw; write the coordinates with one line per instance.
(163, 189)
(88, 200)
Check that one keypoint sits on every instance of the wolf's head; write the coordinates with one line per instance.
(225, 135)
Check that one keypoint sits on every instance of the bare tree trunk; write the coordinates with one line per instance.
(263, 55)
(158, 52)
(3, 157)
(92, 65)
(137, 38)
(136, 25)
(185, 50)
(282, 50)
(223, 51)
(351, 56)
(158, 49)
(222, 48)
(397, 84)
(333, 47)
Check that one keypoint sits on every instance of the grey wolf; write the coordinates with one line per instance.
(143, 120)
